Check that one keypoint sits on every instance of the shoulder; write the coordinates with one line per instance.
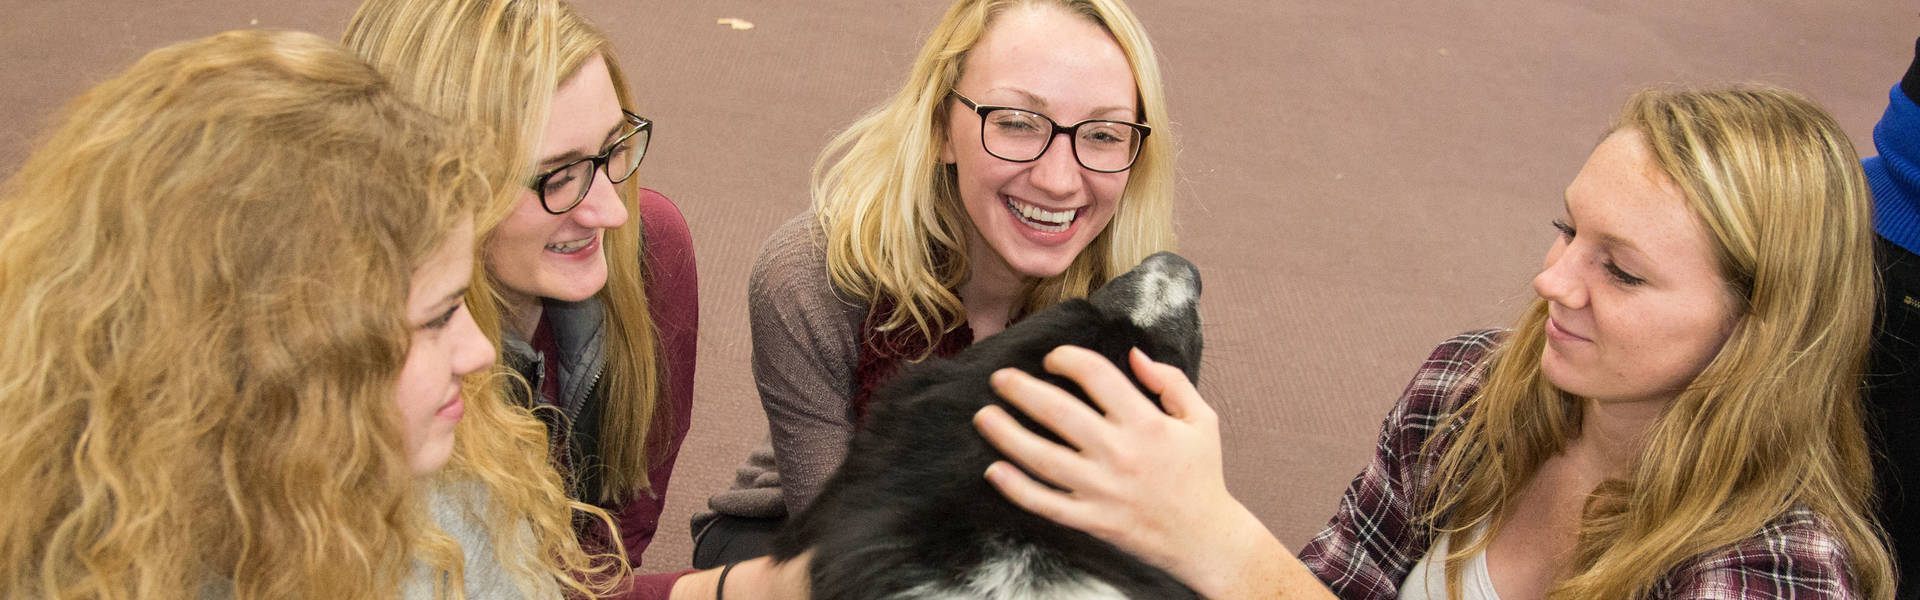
(671, 275)
(1423, 424)
(792, 268)
(797, 243)
(459, 507)
(463, 509)
(1797, 554)
(663, 227)
(1459, 356)
(1375, 537)
(1450, 374)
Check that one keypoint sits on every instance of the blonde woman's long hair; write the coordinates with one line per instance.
(203, 276)
(495, 65)
(1774, 421)
(895, 228)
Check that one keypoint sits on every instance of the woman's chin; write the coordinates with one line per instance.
(1042, 269)
(1043, 261)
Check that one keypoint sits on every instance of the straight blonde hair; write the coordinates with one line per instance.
(495, 65)
(895, 228)
(1773, 422)
(203, 274)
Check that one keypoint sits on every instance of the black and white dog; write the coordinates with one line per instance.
(909, 514)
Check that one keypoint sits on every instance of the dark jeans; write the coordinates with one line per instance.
(730, 539)
(1893, 408)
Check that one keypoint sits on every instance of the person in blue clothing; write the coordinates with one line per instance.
(1893, 372)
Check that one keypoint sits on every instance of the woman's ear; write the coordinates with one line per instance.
(946, 143)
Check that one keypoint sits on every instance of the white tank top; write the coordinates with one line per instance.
(1428, 580)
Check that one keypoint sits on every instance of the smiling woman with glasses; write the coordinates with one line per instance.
(601, 354)
(1013, 170)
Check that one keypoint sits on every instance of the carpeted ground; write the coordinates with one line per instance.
(1359, 180)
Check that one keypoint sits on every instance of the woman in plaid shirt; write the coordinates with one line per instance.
(1676, 416)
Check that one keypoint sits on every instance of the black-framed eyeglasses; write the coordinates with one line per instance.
(564, 187)
(1021, 135)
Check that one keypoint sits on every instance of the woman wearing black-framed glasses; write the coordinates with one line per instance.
(606, 355)
(960, 205)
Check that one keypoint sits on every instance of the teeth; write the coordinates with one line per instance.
(570, 247)
(1042, 219)
(1045, 216)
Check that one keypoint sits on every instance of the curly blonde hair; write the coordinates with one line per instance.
(203, 275)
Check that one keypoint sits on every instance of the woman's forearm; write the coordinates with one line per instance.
(1250, 563)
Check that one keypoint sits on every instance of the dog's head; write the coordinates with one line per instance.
(1162, 298)
(908, 506)
(1154, 307)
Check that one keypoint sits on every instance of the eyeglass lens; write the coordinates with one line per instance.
(1019, 135)
(568, 186)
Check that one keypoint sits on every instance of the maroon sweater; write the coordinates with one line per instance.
(673, 297)
(673, 293)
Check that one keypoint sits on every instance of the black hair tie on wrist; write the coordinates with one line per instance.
(720, 591)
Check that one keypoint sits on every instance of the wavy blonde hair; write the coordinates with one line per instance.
(494, 65)
(1772, 423)
(895, 227)
(203, 273)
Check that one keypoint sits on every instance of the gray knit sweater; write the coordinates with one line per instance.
(805, 348)
(459, 509)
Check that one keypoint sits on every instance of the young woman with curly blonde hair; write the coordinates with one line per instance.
(238, 361)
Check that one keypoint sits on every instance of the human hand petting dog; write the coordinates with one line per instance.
(1148, 482)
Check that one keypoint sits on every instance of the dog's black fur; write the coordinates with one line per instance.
(909, 514)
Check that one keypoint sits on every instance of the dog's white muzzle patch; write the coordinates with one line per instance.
(1163, 293)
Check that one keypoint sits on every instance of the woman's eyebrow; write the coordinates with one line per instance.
(614, 131)
(1617, 243)
(1037, 102)
(561, 159)
(454, 297)
(1607, 239)
(575, 153)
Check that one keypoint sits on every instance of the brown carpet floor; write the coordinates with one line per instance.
(1359, 180)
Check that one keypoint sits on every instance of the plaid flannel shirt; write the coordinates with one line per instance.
(1372, 541)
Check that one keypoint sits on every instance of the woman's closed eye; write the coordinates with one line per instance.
(559, 181)
(1016, 122)
(1620, 275)
(441, 321)
(1614, 271)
